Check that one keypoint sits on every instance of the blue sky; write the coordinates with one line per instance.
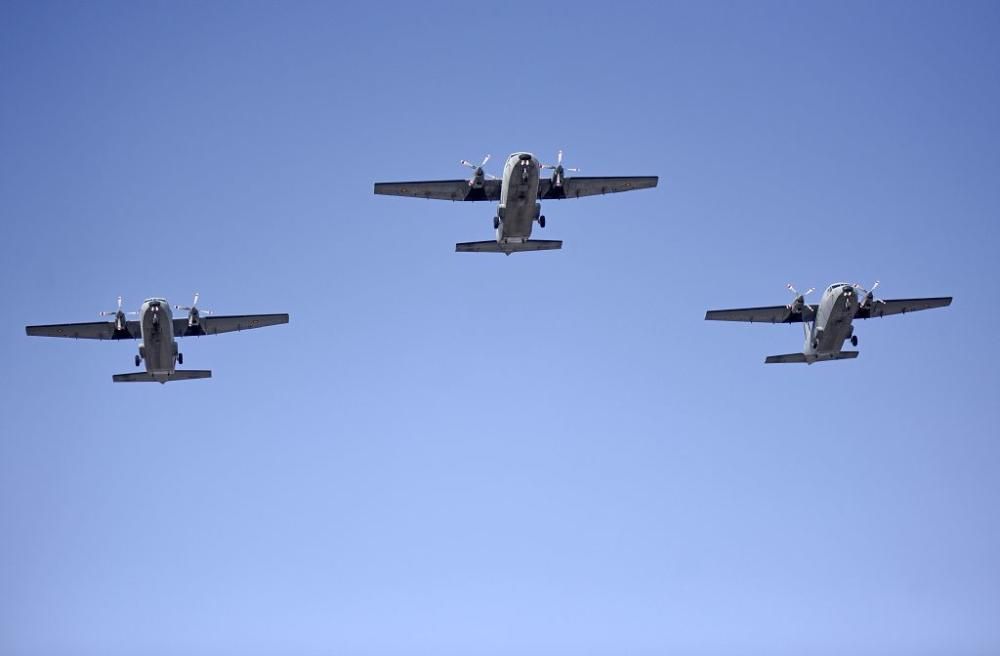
(548, 453)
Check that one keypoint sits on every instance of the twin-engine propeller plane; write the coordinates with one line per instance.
(518, 192)
(157, 328)
(827, 325)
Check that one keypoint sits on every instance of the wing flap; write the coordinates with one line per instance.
(213, 325)
(456, 190)
(89, 330)
(578, 187)
(769, 314)
(901, 306)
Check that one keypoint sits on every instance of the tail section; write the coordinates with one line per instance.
(507, 247)
(809, 359)
(157, 377)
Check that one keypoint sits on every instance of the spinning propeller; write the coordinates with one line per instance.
(800, 299)
(479, 175)
(119, 315)
(558, 169)
(193, 312)
(869, 295)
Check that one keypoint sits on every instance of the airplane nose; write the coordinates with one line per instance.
(525, 157)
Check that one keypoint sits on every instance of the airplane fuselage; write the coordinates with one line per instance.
(159, 348)
(519, 207)
(833, 323)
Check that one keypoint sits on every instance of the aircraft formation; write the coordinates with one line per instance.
(827, 325)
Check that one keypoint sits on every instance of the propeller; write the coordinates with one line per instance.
(193, 304)
(477, 177)
(193, 311)
(117, 311)
(869, 294)
(558, 169)
(118, 314)
(800, 299)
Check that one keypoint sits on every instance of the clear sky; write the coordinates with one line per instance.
(549, 453)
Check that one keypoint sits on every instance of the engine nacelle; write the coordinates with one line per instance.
(478, 179)
(194, 319)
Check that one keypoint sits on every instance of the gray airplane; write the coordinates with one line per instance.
(157, 329)
(518, 192)
(827, 325)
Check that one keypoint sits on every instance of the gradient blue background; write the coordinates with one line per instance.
(550, 453)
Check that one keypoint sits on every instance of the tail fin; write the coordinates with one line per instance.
(157, 377)
(508, 247)
(809, 359)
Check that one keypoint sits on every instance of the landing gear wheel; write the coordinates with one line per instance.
(541, 221)
(854, 340)
(137, 360)
(496, 222)
(180, 358)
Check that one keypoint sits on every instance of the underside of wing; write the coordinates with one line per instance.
(458, 190)
(89, 330)
(770, 314)
(213, 325)
(880, 308)
(583, 186)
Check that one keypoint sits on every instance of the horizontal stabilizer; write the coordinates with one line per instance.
(809, 359)
(493, 247)
(164, 377)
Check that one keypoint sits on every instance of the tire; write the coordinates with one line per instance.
(137, 360)
(180, 358)
(854, 340)
(541, 221)
(496, 222)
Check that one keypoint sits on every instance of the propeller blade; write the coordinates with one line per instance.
(485, 159)
(110, 313)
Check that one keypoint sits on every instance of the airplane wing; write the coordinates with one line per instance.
(901, 306)
(441, 189)
(89, 330)
(213, 325)
(771, 314)
(582, 186)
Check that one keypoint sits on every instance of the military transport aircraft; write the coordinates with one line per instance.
(827, 325)
(518, 191)
(157, 329)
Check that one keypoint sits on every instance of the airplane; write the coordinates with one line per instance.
(157, 328)
(827, 325)
(518, 193)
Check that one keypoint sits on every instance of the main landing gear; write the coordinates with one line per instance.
(138, 360)
(854, 340)
(496, 222)
(180, 358)
(541, 221)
